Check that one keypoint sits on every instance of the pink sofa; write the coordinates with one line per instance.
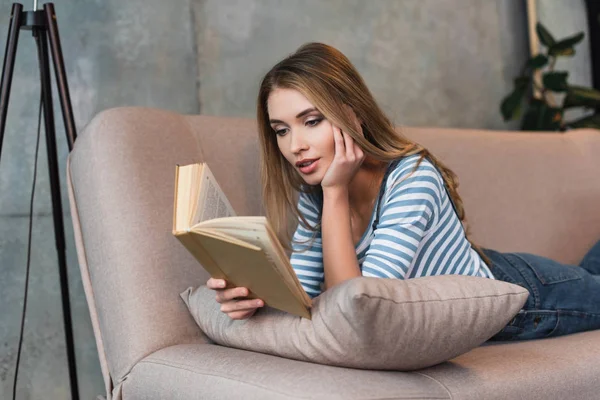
(533, 192)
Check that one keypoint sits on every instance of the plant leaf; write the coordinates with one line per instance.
(537, 62)
(565, 53)
(579, 96)
(556, 81)
(591, 121)
(511, 105)
(545, 36)
(566, 43)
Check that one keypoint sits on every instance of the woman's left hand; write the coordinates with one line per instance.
(346, 162)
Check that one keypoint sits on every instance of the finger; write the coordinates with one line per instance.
(339, 141)
(241, 314)
(360, 155)
(241, 305)
(230, 294)
(349, 143)
(213, 283)
(234, 293)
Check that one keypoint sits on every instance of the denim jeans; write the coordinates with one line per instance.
(563, 299)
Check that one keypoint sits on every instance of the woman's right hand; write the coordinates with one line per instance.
(231, 303)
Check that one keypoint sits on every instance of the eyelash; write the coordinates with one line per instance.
(317, 121)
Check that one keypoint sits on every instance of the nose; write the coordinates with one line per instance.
(297, 142)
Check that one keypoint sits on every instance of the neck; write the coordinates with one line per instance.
(364, 187)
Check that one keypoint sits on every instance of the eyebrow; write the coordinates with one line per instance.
(300, 115)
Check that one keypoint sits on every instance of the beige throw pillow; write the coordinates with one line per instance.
(372, 323)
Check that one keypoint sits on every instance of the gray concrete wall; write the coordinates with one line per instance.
(116, 53)
(428, 62)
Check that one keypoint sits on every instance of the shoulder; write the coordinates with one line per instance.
(415, 165)
(411, 176)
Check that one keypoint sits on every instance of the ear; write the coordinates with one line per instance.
(352, 114)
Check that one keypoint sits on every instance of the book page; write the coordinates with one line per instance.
(212, 202)
(234, 222)
(222, 235)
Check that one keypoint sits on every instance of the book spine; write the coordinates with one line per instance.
(175, 199)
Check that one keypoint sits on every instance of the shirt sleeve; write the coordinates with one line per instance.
(408, 210)
(307, 256)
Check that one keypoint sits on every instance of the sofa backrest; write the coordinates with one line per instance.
(534, 192)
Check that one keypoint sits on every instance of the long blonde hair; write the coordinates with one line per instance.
(328, 80)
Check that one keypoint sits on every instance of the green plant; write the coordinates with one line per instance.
(542, 114)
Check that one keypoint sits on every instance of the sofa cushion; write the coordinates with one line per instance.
(372, 323)
(563, 367)
(215, 372)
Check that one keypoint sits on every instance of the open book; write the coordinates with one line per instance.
(245, 251)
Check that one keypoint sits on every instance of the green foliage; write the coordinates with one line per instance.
(539, 115)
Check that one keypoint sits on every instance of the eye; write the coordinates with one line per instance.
(316, 121)
(280, 132)
(311, 123)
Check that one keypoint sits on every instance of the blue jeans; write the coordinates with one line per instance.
(563, 299)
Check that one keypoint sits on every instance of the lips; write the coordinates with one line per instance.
(305, 162)
(308, 166)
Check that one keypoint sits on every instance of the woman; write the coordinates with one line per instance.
(373, 203)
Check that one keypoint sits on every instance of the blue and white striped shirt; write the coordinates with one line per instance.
(418, 233)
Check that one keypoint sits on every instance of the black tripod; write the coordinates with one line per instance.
(43, 26)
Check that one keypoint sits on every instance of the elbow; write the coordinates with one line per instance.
(333, 282)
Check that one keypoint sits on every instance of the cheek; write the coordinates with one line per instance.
(326, 141)
(284, 149)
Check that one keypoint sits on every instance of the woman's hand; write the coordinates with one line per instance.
(230, 301)
(347, 159)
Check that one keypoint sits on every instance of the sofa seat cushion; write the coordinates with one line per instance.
(565, 367)
(209, 371)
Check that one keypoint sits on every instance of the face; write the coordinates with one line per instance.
(303, 133)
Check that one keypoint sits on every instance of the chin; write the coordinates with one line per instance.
(313, 182)
(314, 179)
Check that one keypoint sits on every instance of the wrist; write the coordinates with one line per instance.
(335, 193)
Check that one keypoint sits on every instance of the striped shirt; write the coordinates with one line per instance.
(417, 234)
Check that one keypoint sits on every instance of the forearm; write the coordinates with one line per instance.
(339, 256)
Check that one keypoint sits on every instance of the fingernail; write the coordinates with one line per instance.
(259, 303)
(222, 284)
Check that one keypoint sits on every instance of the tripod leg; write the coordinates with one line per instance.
(61, 76)
(9, 64)
(59, 231)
